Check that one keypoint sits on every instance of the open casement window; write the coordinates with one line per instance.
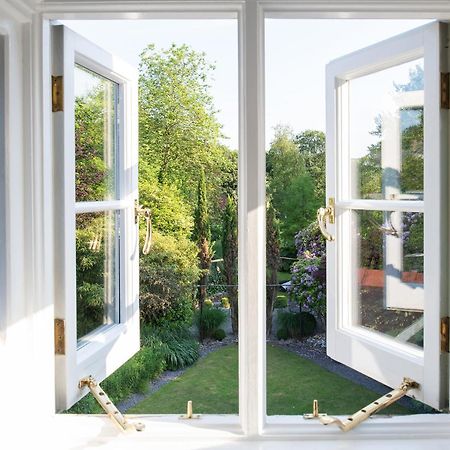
(386, 170)
(95, 147)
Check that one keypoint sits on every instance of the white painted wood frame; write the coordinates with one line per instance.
(376, 355)
(109, 346)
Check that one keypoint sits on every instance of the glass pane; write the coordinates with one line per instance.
(389, 277)
(386, 133)
(95, 136)
(97, 261)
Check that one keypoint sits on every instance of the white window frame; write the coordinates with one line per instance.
(251, 13)
(106, 348)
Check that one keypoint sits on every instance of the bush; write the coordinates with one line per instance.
(168, 275)
(282, 334)
(209, 321)
(133, 376)
(225, 301)
(219, 334)
(280, 302)
(208, 303)
(295, 325)
(178, 347)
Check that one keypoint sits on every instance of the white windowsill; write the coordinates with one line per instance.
(224, 432)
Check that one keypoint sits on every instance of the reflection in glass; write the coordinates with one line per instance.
(96, 256)
(95, 136)
(386, 133)
(389, 280)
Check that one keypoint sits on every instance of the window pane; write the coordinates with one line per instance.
(97, 265)
(386, 133)
(95, 136)
(389, 277)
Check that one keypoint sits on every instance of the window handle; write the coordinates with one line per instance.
(322, 215)
(147, 213)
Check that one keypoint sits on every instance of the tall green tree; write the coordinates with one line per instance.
(273, 263)
(178, 130)
(230, 258)
(290, 187)
(202, 236)
(311, 146)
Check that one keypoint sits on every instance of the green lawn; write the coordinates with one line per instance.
(283, 276)
(292, 384)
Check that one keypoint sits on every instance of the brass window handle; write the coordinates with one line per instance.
(322, 215)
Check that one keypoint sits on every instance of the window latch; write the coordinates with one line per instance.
(322, 215)
(374, 407)
(108, 406)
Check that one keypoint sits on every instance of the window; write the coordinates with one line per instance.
(95, 138)
(389, 207)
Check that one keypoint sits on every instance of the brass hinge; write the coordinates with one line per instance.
(445, 91)
(57, 93)
(60, 337)
(445, 321)
(108, 406)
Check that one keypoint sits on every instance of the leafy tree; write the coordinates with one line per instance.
(273, 263)
(311, 145)
(290, 187)
(178, 129)
(202, 236)
(230, 258)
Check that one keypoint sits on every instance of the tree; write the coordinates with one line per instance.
(230, 258)
(179, 133)
(273, 263)
(290, 187)
(202, 236)
(311, 145)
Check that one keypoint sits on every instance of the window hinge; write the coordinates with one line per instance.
(108, 406)
(370, 409)
(445, 321)
(60, 337)
(57, 93)
(445, 91)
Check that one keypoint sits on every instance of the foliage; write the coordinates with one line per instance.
(168, 276)
(230, 258)
(209, 320)
(308, 282)
(219, 334)
(176, 343)
(178, 129)
(290, 187)
(131, 377)
(281, 302)
(295, 325)
(272, 262)
(311, 146)
(282, 334)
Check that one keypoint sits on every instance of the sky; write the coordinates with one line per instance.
(297, 52)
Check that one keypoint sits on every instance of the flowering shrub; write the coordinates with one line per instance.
(308, 281)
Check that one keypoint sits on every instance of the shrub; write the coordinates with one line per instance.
(295, 325)
(133, 376)
(178, 347)
(282, 334)
(280, 302)
(219, 334)
(209, 321)
(225, 301)
(168, 275)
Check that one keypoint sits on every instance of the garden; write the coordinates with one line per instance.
(189, 275)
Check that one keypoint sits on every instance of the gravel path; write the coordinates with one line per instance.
(312, 348)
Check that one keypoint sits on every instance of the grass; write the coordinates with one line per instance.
(283, 277)
(292, 384)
